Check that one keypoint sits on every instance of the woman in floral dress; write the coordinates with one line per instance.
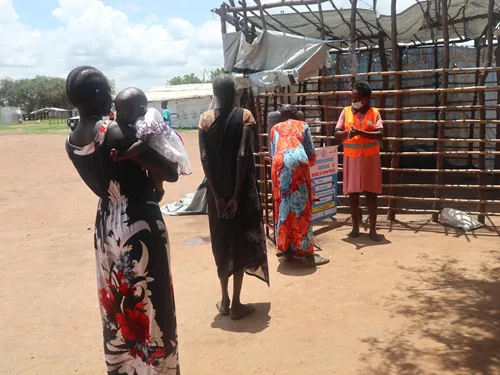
(292, 150)
(131, 241)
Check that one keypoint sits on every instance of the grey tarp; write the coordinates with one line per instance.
(273, 59)
(192, 204)
(467, 19)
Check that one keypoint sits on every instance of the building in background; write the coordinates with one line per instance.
(10, 115)
(185, 102)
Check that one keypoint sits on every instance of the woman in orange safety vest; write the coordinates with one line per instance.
(360, 128)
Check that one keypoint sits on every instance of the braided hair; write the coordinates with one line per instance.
(88, 89)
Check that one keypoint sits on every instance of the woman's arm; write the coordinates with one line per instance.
(340, 133)
(241, 164)
(309, 145)
(206, 166)
(376, 134)
(122, 138)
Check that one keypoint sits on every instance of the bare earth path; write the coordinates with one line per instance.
(427, 302)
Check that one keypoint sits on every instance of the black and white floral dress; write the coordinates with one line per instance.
(133, 264)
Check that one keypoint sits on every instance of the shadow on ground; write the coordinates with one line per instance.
(454, 321)
(255, 323)
(364, 240)
(295, 267)
(428, 226)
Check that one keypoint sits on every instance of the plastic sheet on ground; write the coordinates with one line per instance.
(191, 204)
(458, 219)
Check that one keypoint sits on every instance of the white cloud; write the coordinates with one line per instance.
(133, 54)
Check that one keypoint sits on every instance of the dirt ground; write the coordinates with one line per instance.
(426, 301)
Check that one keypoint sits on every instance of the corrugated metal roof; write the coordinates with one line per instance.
(174, 92)
(49, 110)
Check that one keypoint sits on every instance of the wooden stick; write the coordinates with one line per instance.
(352, 42)
(423, 211)
(422, 199)
(403, 109)
(245, 20)
(482, 112)
(406, 72)
(411, 122)
(455, 90)
(261, 11)
(277, 5)
(442, 113)
(322, 19)
(437, 153)
(223, 17)
(458, 171)
(429, 186)
(497, 146)
(432, 186)
(397, 103)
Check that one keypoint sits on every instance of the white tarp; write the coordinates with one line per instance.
(273, 59)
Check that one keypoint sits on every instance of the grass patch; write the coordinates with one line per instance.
(36, 128)
(47, 127)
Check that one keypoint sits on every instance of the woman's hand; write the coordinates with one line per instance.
(159, 193)
(231, 209)
(115, 155)
(353, 132)
(220, 204)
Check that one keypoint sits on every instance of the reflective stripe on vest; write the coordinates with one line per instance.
(357, 146)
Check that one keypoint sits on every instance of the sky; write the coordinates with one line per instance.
(141, 43)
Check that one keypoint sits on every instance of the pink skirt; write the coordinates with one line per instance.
(363, 174)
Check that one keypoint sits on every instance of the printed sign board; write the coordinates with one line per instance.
(324, 183)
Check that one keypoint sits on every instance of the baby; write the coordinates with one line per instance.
(151, 131)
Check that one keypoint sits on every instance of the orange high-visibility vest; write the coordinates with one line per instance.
(357, 146)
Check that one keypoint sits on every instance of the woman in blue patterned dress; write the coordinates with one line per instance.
(292, 150)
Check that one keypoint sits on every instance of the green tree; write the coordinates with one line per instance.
(216, 72)
(34, 93)
(185, 80)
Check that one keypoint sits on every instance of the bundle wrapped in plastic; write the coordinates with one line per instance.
(159, 135)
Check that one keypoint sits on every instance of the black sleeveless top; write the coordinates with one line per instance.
(96, 168)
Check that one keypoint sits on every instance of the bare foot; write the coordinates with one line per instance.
(223, 307)
(354, 233)
(240, 311)
(375, 237)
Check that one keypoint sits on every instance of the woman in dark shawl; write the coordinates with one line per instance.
(234, 211)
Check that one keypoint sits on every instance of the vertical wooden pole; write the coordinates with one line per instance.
(352, 44)
(444, 103)
(223, 13)
(262, 16)
(497, 145)
(235, 15)
(477, 45)
(482, 113)
(383, 98)
(397, 104)
(245, 21)
(322, 20)
(370, 63)
(265, 113)
(327, 86)
(436, 96)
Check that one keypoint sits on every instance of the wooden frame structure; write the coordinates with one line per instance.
(474, 186)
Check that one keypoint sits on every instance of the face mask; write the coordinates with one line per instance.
(357, 105)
